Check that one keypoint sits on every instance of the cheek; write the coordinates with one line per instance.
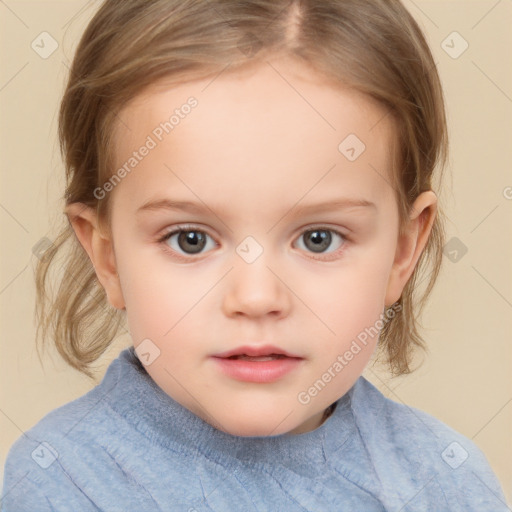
(151, 296)
(350, 306)
(163, 301)
(355, 293)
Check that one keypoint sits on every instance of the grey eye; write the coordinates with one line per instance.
(318, 240)
(190, 241)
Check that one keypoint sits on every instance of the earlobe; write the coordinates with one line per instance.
(99, 248)
(411, 244)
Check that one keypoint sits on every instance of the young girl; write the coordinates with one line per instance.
(250, 188)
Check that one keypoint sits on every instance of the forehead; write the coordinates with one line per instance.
(275, 126)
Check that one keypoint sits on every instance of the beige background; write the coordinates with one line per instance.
(466, 379)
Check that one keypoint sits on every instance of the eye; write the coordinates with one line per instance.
(318, 239)
(187, 239)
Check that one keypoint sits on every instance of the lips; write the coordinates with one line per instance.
(263, 365)
(260, 353)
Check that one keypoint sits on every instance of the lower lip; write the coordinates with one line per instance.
(257, 371)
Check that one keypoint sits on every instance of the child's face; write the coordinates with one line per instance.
(255, 150)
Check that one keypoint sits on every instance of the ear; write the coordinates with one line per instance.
(411, 244)
(100, 249)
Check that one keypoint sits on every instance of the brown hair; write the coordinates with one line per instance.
(375, 47)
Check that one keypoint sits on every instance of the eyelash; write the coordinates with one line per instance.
(180, 228)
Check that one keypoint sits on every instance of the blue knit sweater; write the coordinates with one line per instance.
(127, 446)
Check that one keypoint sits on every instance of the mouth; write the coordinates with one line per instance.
(257, 364)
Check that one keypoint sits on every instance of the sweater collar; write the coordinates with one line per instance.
(132, 393)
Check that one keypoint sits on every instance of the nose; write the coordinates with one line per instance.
(256, 289)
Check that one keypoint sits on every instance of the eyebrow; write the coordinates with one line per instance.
(189, 206)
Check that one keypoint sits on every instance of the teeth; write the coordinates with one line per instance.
(258, 358)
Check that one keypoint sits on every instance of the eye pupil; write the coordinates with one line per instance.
(191, 241)
(321, 238)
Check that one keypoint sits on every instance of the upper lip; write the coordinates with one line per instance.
(255, 351)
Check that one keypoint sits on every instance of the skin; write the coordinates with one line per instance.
(254, 151)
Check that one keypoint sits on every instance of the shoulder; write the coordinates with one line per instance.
(411, 444)
(43, 463)
(86, 455)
